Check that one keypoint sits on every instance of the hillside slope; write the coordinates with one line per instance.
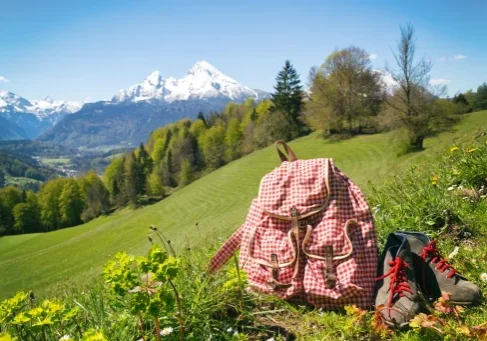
(218, 201)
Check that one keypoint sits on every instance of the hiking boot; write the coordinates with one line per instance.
(435, 275)
(397, 298)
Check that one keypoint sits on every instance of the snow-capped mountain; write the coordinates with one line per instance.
(202, 82)
(130, 116)
(34, 117)
(49, 107)
(388, 83)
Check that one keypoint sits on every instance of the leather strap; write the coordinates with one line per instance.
(290, 154)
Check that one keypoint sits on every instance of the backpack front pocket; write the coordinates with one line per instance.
(270, 259)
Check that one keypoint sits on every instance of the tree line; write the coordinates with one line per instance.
(60, 203)
(177, 154)
(346, 96)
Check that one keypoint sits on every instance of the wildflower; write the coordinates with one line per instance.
(454, 252)
(471, 150)
(453, 149)
(451, 188)
(166, 331)
(483, 277)
(271, 339)
(65, 338)
(434, 179)
(229, 330)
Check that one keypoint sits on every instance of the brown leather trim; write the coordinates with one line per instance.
(290, 154)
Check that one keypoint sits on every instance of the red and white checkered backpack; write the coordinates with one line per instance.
(309, 236)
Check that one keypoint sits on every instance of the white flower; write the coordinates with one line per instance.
(483, 276)
(229, 330)
(166, 331)
(451, 188)
(454, 252)
(271, 339)
(65, 338)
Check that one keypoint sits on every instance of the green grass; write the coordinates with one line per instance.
(55, 161)
(219, 202)
(14, 180)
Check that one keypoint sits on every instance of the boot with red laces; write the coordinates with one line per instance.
(435, 275)
(397, 297)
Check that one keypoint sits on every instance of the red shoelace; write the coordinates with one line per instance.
(431, 251)
(399, 281)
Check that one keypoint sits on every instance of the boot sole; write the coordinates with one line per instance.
(466, 304)
(402, 326)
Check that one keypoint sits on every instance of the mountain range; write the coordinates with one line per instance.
(131, 114)
(24, 119)
(129, 117)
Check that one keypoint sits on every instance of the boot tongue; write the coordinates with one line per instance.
(405, 254)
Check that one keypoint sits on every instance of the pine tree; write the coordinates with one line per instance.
(288, 96)
(254, 116)
(131, 183)
(201, 116)
(117, 197)
(2, 179)
(460, 99)
(144, 160)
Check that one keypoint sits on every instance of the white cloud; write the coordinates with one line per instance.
(439, 81)
(460, 56)
(372, 56)
(442, 59)
(3, 79)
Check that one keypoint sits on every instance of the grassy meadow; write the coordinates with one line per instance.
(420, 197)
(218, 202)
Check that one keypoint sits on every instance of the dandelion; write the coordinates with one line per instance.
(166, 331)
(483, 277)
(471, 150)
(452, 149)
(65, 338)
(454, 252)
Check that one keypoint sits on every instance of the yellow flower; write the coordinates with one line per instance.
(452, 149)
(471, 150)
(434, 179)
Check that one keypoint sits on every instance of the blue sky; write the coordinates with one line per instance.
(79, 50)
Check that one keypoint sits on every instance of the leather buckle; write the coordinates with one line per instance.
(330, 278)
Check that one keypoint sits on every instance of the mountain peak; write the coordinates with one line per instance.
(154, 78)
(204, 67)
(202, 82)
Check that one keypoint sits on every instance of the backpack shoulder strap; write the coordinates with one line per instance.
(290, 154)
(226, 250)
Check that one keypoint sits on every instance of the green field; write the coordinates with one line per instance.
(55, 161)
(218, 201)
(14, 180)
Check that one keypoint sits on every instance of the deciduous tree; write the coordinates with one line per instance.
(413, 105)
(345, 93)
